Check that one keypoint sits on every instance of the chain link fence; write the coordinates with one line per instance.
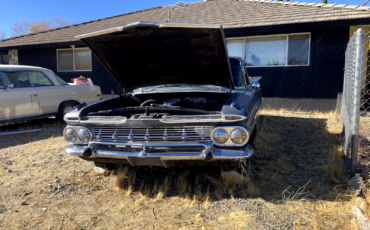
(356, 94)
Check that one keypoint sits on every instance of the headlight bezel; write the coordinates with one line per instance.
(229, 142)
(77, 130)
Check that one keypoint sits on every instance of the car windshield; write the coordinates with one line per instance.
(60, 80)
(237, 73)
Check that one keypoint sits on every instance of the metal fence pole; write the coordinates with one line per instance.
(356, 100)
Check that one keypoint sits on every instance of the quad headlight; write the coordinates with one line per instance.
(229, 136)
(221, 136)
(77, 134)
(84, 135)
(238, 136)
(70, 134)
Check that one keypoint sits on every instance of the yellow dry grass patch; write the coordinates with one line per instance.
(292, 149)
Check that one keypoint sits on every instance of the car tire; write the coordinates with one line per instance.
(64, 108)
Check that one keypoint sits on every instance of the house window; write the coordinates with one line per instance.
(4, 59)
(77, 59)
(274, 50)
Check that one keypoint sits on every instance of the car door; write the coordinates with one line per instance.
(49, 95)
(22, 98)
(4, 101)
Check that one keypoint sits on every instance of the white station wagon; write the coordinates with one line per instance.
(28, 93)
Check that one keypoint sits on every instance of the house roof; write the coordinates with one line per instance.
(229, 13)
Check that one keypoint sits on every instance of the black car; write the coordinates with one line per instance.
(184, 101)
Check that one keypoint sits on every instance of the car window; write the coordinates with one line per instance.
(18, 78)
(60, 80)
(1, 82)
(38, 79)
(238, 76)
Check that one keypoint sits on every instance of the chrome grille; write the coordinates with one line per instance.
(152, 134)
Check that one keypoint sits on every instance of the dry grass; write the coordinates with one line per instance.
(296, 180)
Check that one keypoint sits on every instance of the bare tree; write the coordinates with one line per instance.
(3, 34)
(38, 26)
(24, 27)
(60, 22)
(20, 28)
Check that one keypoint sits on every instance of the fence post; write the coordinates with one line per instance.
(356, 100)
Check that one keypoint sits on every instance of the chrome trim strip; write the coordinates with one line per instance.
(218, 154)
(90, 120)
(27, 117)
(199, 117)
(154, 134)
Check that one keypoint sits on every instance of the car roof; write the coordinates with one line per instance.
(20, 67)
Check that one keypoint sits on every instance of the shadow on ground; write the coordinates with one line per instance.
(291, 154)
(50, 127)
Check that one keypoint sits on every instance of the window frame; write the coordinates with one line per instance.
(287, 49)
(73, 56)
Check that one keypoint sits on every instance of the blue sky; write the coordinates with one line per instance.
(87, 10)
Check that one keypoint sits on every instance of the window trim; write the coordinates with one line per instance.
(287, 49)
(73, 57)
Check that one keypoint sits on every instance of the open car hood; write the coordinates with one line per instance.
(150, 53)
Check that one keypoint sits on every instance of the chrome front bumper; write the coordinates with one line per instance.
(189, 151)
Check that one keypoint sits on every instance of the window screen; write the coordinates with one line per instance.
(235, 47)
(38, 79)
(82, 59)
(78, 59)
(65, 60)
(298, 49)
(265, 51)
(279, 50)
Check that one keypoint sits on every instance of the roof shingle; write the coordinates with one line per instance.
(229, 13)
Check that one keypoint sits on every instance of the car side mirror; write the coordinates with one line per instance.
(9, 85)
(256, 85)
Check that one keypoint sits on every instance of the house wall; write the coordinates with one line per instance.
(47, 58)
(322, 79)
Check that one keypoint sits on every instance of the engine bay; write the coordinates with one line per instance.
(160, 105)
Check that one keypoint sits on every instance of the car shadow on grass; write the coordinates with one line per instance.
(291, 154)
(50, 127)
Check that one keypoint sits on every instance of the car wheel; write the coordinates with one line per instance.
(65, 108)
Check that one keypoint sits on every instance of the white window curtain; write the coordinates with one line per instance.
(77, 59)
(235, 47)
(265, 51)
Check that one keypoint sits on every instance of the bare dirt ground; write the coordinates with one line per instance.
(296, 180)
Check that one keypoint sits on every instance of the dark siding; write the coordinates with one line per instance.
(47, 58)
(322, 79)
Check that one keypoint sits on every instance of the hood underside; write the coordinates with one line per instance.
(149, 53)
